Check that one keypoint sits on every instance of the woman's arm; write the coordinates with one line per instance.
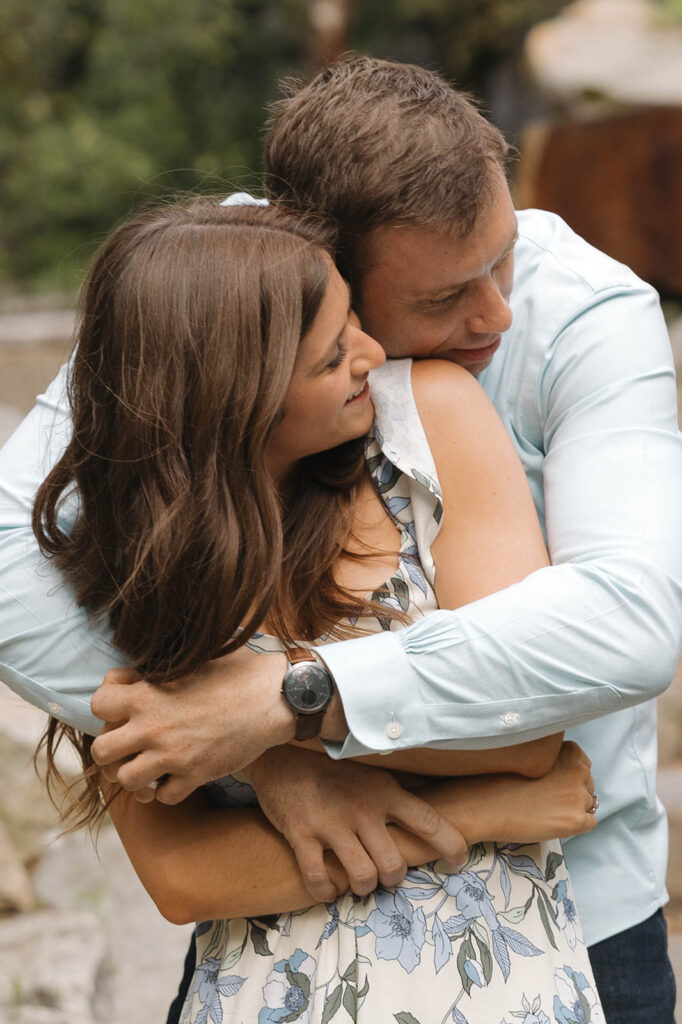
(198, 862)
(532, 760)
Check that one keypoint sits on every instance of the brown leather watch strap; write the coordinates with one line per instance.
(296, 654)
(308, 726)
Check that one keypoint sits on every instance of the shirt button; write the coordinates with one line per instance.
(394, 730)
(510, 717)
(54, 708)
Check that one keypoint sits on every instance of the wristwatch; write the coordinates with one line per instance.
(307, 688)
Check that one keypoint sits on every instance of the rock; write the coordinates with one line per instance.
(52, 968)
(147, 952)
(16, 892)
(669, 788)
(616, 180)
(39, 1015)
(619, 50)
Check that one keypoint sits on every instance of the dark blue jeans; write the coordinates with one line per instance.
(632, 971)
(190, 963)
(634, 976)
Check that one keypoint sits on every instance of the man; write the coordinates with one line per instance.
(572, 350)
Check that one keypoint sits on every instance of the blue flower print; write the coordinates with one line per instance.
(567, 916)
(576, 1001)
(399, 929)
(530, 1018)
(530, 1014)
(474, 971)
(287, 990)
(209, 987)
(472, 897)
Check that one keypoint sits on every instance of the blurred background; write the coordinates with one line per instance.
(108, 103)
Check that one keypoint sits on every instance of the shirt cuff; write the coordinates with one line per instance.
(377, 690)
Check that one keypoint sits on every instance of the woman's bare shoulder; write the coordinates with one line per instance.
(453, 407)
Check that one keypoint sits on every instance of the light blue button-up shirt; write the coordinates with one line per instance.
(584, 383)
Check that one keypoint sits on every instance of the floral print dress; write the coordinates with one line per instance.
(497, 943)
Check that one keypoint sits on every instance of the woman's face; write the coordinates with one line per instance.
(328, 398)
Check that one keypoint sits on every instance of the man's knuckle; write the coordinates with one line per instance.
(459, 850)
(171, 798)
(430, 820)
(365, 876)
(393, 868)
(316, 875)
(99, 751)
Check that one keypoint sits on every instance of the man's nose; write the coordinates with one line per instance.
(492, 314)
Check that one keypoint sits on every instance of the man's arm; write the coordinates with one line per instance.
(593, 633)
(597, 631)
(51, 652)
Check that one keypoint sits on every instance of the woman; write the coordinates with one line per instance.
(221, 406)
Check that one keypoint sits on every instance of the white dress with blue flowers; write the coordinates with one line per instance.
(496, 943)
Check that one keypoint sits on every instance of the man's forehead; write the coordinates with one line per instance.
(427, 259)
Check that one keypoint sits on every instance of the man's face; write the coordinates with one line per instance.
(432, 295)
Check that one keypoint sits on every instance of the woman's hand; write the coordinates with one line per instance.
(322, 805)
(506, 808)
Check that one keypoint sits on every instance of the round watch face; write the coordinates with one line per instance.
(307, 687)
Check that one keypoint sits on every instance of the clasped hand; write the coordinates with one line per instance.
(225, 718)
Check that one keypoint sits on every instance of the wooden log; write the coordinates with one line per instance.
(617, 180)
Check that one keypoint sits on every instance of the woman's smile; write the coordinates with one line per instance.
(361, 394)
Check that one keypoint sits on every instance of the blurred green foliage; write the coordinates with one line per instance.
(108, 102)
(672, 11)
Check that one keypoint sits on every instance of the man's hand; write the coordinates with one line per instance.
(318, 804)
(192, 730)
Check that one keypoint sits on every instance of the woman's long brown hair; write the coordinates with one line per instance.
(161, 512)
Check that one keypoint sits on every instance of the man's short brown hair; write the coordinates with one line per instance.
(371, 142)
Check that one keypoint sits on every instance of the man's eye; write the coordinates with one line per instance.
(505, 259)
(447, 300)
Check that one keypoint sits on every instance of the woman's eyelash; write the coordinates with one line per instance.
(339, 357)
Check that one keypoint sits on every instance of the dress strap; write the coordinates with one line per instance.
(400, 460)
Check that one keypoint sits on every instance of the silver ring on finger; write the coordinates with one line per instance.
(595, 804)
(154, 785)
